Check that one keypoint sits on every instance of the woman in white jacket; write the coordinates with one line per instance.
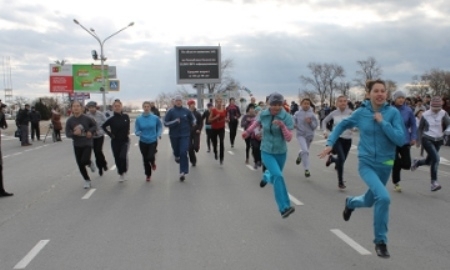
(305, 123)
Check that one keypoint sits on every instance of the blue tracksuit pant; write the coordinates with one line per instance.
(180, 147)
(274, 174)
(375, 176)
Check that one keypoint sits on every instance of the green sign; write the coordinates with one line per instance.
(88, 78)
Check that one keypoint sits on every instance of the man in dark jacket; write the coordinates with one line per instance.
(3, 125)
(22, 121)
(35, 118)
(154, 110)
(233, 115)
(194, 144)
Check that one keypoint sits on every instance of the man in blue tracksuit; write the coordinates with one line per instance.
(180, 121)
(381, 130)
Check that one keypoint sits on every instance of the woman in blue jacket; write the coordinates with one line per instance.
(148, 127)
(277, 126)
(381, 130)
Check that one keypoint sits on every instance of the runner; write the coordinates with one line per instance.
(344, 143)
(81, 128)
(119, 131)
(305, 124)
(380, 128)
(205, 117)
(194, 140)
(99, 136)
(247, 120)
(233, 115)
(431, 129)
(277, 126)
(180, 121)
(403, 153)
(217, 118)
(148, 127)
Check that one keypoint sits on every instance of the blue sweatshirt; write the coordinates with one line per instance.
(148, 127)
(273, 141)
(180, 128)
(410, 125)
(377, 141)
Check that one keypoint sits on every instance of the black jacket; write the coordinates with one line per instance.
(3, 123)
(155, 111)
(23, 117)
(119, 125)
(35, 117)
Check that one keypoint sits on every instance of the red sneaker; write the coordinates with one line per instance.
(154, 167)
(147, 179)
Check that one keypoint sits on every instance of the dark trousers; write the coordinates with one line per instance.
(35, 129)
(432, 148)
(57, 134)
(100, 159)
(120, 152)
(341, 149)
(2, 188)
(208, 138)
(218, 133)
(402, 161)
(194, 146)
(148, 151)
(233, 125)
(24, 134)
(256, 150)
(248, 146)
(180, 147)
(83, 158)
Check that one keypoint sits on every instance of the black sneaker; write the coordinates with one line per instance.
(287, 212)
(215, 155)
(382, 251)
(298, 160)
(5, 194)
(307, 173)
(341, 185)
(347, 211)
(100, 171)
(182, 177)
(262, 183)
(329, 160)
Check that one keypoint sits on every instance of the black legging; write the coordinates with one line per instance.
(208, 137)
(233, 125)
(247, 148)
(120, 152)
(100, 159)
(83, 158)
(148, 151)
(341, 149)
(402, 161)
(221, 134)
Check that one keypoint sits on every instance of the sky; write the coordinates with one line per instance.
(270, 42)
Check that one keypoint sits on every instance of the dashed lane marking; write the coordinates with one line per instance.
(31, 255)
(352, 243)
(89, 194)
(294, 200)
(250, 167)
(231, 153)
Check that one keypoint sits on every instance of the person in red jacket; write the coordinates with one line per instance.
(217, 118)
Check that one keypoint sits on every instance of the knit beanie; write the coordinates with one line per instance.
(190, 102)
(397, 94)
(276, 98)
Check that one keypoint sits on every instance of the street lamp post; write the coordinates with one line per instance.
(92, 32)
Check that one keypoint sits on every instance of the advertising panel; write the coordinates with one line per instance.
(199, 64)
(88, 78)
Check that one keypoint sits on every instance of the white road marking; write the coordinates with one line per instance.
(352, 243)
(227, 130)
(294, 200)
(166, 131)
(112, 168)
(250, 167)
(135, 144)
(30, 256)
(231, 153)
(6, 156)
(15, 154)
(89, 194)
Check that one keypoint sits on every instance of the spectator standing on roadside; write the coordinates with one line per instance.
(35, 119)
(56, 122)
(23, 120)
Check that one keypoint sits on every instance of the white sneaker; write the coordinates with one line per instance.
(87, 184)
(122, 178)
(92, 166)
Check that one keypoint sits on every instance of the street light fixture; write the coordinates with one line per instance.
(92, 32)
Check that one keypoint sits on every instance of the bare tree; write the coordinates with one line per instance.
(20, 101)
(419, 86)
(438, 81)
(344, 88)
(312, 95)
(332, 72)
(369, 71)
(318, 81)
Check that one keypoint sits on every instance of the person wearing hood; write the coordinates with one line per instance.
(180, 120)
(56, 123)
(381, 129)
(99, 136)
(403, 153)
(118, 129)
(344, 143)
(148, 128)
(194, 141)
(277, 126)
(305, 123)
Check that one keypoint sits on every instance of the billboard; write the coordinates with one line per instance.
(61, 79)
(88, 78)
(200, 64)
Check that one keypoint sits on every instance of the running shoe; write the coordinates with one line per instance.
(262, 183)
(381, 250)
(397, 188)
(154, 166)
(87, 184)
(435, 186)
(182, 177)
(286, 213)
(414, 164)
(148, 179)
(215, 155)
(307, 173)
(255, 166)
(122, 178)
(347, 211)
(329, 161)
(92, 166)
(341, 185)
(298, 160)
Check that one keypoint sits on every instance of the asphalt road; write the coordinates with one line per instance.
(219, 218)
